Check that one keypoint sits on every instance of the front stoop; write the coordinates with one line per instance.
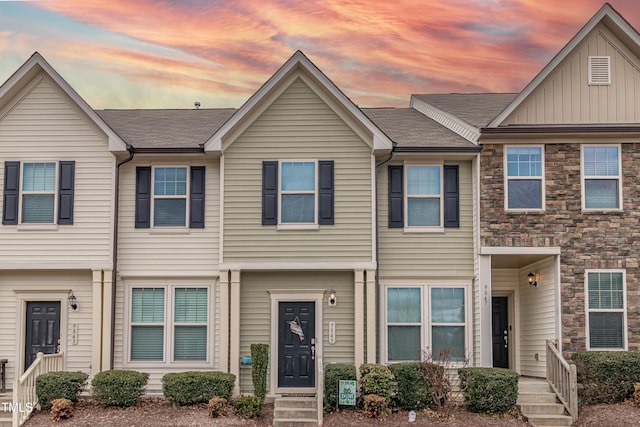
(538, 404)
(295, 412)
(6, 416)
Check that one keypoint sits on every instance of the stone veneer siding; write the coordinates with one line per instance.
(587, 240)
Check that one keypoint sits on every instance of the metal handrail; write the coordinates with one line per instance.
(562, 378)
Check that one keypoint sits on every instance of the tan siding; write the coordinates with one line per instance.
(444, 254)
(255, 320)
(152, 252)
(565, 97)
(54, 286)
(298, 125)
(45, 126)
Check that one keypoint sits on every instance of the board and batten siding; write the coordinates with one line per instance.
(438, 254)
(44, 125)
(255, 318)
(298, 126)
(565, 96)
(154, 252)
(52, 285)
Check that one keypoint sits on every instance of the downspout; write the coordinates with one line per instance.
(377, 239)
(116, 214)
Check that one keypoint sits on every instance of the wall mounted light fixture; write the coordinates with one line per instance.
(72, 301)
(332, 300)
(533, 279)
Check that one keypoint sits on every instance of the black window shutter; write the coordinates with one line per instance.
(325, 192)
(269, 193)
(143, 196)
(65, 192)
(11, 193)
(196, 208)
(396, 196)
(451, 196)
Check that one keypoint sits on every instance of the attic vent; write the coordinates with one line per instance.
(599, 70)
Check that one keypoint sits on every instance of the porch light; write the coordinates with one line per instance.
(533, 279)
(72, 301)
(332, 300)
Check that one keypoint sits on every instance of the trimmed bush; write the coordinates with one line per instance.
(119, 388)
(248, 406)
(61, 409)
(333, 373)
(216, 406)
(188, 388)
(489, 390)
(59, 385)
(414, 389)
(259, 365)
(375, 406)
(378, 380)
(607, 376)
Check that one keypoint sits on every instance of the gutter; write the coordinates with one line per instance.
(558, 129)
(474, 149)
(116, 214)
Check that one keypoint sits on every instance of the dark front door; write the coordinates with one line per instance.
(296, 338)
(42, 329)
(500, 332)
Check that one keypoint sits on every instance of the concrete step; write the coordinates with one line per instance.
(542, 408)
(536, 397)
(529, 386)
(295, 412)
(548, 420)
(295, 402)
(295, 423)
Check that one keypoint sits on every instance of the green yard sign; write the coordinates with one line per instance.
(347, 392)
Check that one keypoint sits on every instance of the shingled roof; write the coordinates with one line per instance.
(477, 109)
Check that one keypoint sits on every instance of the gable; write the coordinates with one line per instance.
(565, 96)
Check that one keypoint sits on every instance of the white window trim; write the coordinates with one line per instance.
(422, 229)
(583, 178)
(187, 197)
(587, 310)
(39, 225)
(426, 324)
(169, 323)
(507, 178)
(298, 225)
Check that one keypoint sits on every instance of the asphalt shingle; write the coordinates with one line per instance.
(477, 109)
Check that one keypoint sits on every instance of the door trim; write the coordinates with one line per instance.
(513, 332)
(22, 297)
(282, 295)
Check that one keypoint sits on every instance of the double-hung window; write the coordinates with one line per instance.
(524, 168)
(606, 310)
(427, 320)
(298, 192)
(424, 196)
(169, 196)
(169, 324)
(38, 192)
(601, 177)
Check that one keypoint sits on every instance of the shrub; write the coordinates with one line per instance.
(333, 373)
(216, 406)
(57, 385)
(61, 409)
(119, 388)
(374, 405)
(489, 390)
(414, 384)
(248, 406)
(607, 376)
(378, 380)
(259, 365)
(188, 388)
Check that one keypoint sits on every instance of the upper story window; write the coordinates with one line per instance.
(38, 192)
(297, 194)
(423, 197)
(606, 310)
(601, 177)
(174, 195)
(524, 168)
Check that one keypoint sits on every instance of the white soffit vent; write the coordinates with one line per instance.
(599, 70)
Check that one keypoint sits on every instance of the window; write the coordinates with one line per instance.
(524, 172)
(601, 177)
(177, 327)
(169, 197)
(424, 200)
(441, 324)
(297, 192)
(38, 192)
(606, 310)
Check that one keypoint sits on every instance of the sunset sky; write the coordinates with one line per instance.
(168, 54)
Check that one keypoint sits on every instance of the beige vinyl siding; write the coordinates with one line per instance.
(45, 126)
(46, 286)
(255, 308)
(565, 97)
(154, 252)
(297, 126)
(438, 254)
